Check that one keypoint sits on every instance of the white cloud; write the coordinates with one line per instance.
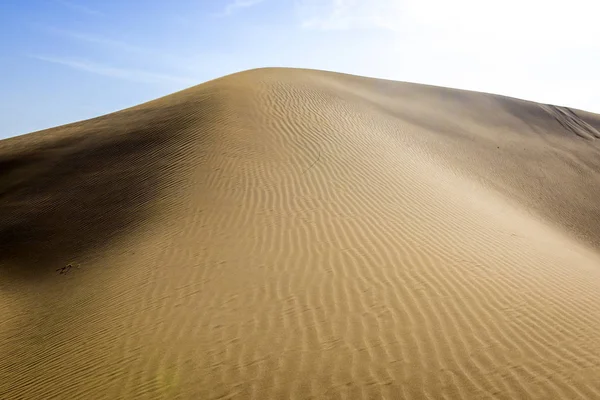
(100, 40)
(154, 55)
(463, 24)
(80, 8)
(542, 50)
(133, 75)
(508, 18)
(348, 14)
(238, 4)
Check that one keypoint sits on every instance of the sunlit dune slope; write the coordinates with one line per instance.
(284, 233)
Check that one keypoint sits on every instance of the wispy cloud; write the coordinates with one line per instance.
(134, 75)
(171, 61)
(80, 8)
(349, 14)
(236, 5)
(99, 40)
(459, 21)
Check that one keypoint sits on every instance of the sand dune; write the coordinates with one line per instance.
(282, 233)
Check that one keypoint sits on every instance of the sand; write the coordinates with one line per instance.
(295, 234)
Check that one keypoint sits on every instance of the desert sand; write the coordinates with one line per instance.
(293, 234)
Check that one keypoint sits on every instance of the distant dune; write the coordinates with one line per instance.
(292, 234)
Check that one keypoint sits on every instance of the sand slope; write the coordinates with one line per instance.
(285, 233)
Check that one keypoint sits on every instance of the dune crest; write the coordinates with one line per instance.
(283, 233)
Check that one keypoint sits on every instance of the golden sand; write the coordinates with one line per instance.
(295, 234)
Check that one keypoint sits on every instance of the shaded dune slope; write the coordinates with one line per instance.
(282, 233)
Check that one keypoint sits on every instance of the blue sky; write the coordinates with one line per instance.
(67, 60)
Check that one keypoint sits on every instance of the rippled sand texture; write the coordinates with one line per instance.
(284, 233)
